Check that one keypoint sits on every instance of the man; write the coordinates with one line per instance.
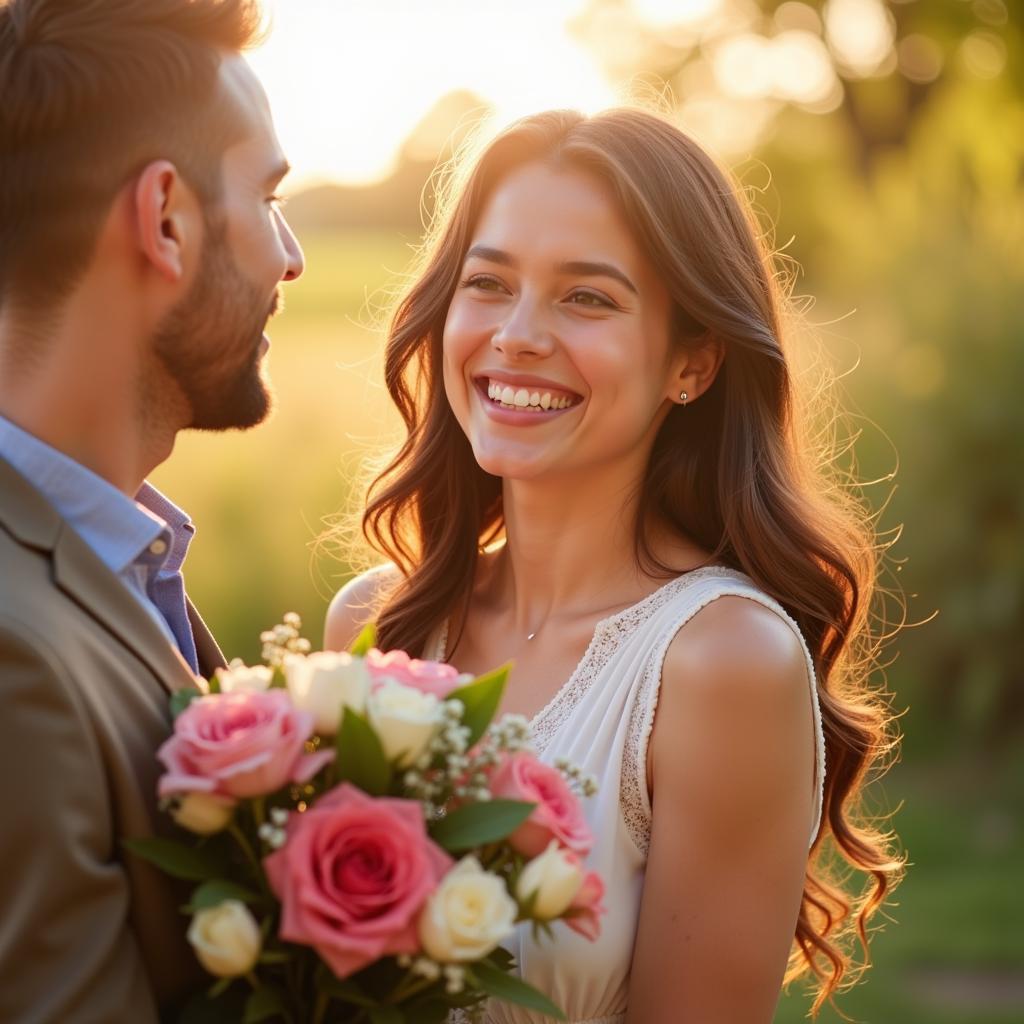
(141, 252)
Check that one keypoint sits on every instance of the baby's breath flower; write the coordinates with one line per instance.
(426, 968)
(455, 979)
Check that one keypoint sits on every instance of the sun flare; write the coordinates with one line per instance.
(349, 82)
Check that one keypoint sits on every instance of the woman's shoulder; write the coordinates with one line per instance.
(734, 694)
(739, 639)
(356, 605)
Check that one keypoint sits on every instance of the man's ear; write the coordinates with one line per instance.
(167, 216)
(695, 369)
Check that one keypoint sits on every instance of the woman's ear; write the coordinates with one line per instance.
(695, 369)
(167, 219)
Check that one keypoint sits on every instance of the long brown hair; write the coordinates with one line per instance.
(730, 471)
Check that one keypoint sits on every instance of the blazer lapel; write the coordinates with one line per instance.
(207, 650)
(35, 523)
(84, 578)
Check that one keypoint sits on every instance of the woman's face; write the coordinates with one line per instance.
(557, 355)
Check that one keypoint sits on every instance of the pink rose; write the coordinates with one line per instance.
(353, 877)
(239, 745)
(558, 814)
(428, 676)
(585, 911)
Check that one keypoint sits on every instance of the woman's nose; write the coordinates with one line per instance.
(523, 334)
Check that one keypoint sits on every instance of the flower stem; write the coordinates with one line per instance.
(250, 855)
(320, 1010)
(409, 986)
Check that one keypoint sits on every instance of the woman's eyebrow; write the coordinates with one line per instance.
(586, 268)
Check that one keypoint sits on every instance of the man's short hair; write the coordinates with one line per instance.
(91, 91)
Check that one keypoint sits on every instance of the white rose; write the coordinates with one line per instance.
(238, 678)
(226, 939)
(553, 879)
(406, 720)
(469, 913)
(324, 683)
(203, 813)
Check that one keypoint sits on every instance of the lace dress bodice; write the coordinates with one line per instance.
(601, 719)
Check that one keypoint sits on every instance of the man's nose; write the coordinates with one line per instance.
(296, 259)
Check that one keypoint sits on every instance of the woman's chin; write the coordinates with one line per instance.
(510, 466)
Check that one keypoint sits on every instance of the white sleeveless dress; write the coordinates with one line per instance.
(601, 719)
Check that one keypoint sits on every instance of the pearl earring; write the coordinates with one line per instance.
(683, 396)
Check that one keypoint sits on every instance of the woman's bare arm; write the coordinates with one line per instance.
(732, 766)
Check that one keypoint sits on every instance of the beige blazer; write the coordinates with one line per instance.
(87, 932)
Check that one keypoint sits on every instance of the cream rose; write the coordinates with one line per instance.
(406, 720)
(239, 678)
(203, 813)
(226, 939)
(552, 880)
(325, 683)
(468, 915)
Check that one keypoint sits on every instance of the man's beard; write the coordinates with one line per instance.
(210, 342)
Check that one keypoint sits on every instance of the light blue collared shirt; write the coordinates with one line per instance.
(143, 542)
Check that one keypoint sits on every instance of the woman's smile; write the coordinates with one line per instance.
(519, 401)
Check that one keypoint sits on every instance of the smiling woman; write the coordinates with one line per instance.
(603, 479)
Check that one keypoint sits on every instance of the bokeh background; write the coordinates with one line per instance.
(883, 143)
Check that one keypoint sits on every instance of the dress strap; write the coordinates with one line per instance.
(635, 799)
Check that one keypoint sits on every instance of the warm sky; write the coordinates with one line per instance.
(349, 79)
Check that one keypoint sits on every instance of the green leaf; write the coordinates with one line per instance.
(201, 1008)
(213, 683)
(429, 1011)
(343, 988)
(501, 958)
(264, 1003)
(511, 989)
(476, 824)
(210, 894)
(361, 758)
(386, 1015)
(181, 699)
(366, 640)
(178, 860)
(481, 699)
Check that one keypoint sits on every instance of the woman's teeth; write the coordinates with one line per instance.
(525, 399)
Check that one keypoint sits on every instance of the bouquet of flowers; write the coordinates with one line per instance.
(362, 837)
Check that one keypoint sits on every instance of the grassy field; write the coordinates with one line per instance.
(954, 950)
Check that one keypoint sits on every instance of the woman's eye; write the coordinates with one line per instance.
(484, 283)
(277, 200)
(585, 298)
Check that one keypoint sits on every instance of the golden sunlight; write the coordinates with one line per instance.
(348, 82)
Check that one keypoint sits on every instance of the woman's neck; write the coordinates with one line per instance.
(570, 550)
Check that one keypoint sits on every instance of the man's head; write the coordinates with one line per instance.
(137, 153)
